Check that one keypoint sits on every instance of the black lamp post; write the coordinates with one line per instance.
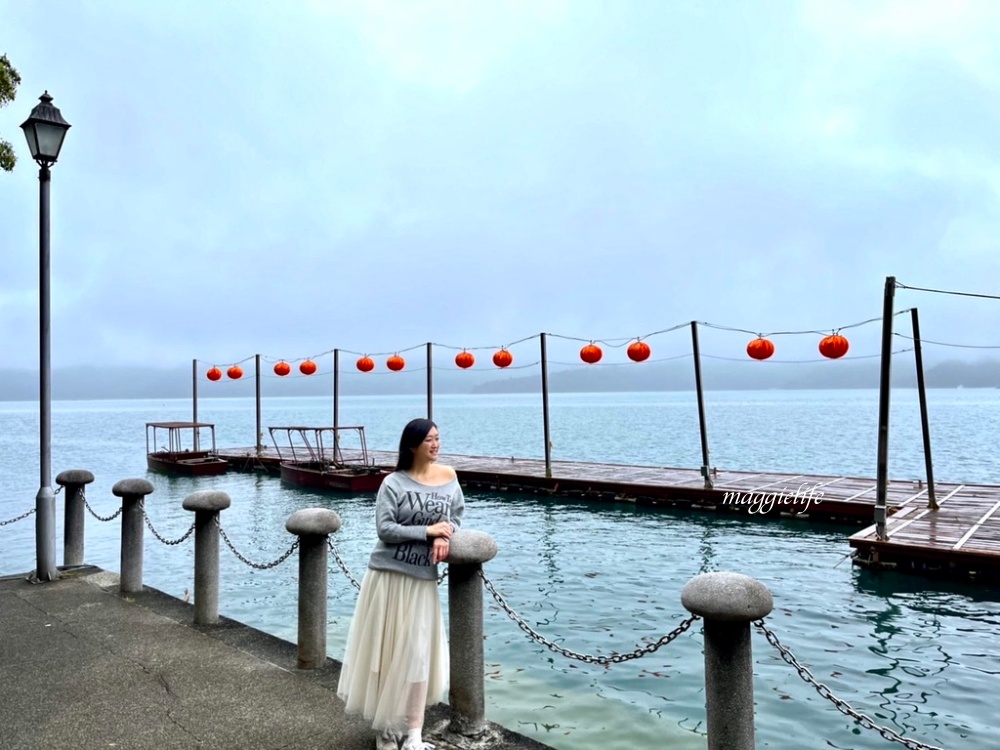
(45, 130)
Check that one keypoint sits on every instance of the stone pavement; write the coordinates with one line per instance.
(82, 666)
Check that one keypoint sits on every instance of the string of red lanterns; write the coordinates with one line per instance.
(503, 358)
(760, 348)
(639, 351)
(833, 346)
(591, 353)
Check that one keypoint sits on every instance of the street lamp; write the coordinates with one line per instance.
(45, 130)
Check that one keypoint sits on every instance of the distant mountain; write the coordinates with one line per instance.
(98, 383)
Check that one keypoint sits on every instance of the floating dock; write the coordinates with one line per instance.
(959, 539)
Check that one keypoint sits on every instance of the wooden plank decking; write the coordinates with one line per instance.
(961, 537)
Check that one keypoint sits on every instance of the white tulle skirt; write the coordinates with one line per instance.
(396, 662)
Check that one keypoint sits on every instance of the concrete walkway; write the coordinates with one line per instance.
(82, 666)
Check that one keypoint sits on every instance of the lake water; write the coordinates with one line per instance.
(916, 655)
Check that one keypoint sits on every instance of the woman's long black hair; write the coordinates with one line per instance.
(413, 435)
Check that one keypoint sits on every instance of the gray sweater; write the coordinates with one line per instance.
(404, 508)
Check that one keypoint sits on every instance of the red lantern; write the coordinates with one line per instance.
(833, 347)
(366, 364)
(308, 367)
(235, 372)
(591, 354)
(395, 363)
(281, 369)
(503, 358)
(465, 359)
(214, 374)
(639, 351)
(760, 348)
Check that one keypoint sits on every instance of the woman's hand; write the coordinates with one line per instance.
(440, 530)
(439, 549)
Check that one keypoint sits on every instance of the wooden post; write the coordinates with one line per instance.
(430, 381)
(545, 410)
(924, 423)
(260, 435)
(882, 466)
(336, 388)
(706, 470)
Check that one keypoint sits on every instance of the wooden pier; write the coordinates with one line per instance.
(959, 539)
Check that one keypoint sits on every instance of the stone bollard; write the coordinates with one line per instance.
(132, 492)
(312, 526)
(73, 481)
(728, 602)
(206, 504)
(466, 554)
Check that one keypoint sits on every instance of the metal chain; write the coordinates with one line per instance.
(149, 525)
(343, 566)
(28, 513)
(242, 559)
(614, 658)
(843, 706)
(19, 518)
(100, 518)
(350, 577)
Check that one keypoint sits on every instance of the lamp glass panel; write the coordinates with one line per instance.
(50, 138)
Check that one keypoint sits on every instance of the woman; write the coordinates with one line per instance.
(396, 662)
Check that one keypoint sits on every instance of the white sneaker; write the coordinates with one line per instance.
(386, 741)
(410, 745)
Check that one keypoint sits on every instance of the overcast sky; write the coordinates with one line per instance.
(287, 178)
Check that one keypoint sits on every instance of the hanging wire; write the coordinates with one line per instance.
(387, 353)
(293, 360)
(520, 367)
(612, 343)
(799, 361)
(944, 343)
(797, 333)
(621, 341)
(629, 363)
(386, 371)
(900, 285)
(483, 348)
(203, 362)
